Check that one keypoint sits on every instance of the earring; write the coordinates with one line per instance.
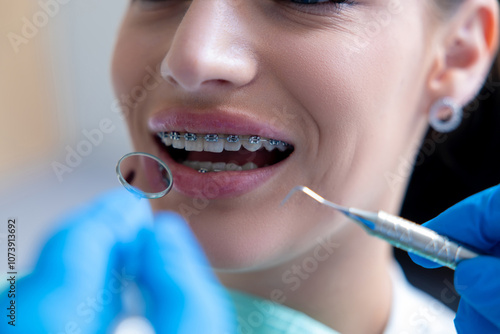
(447, 123)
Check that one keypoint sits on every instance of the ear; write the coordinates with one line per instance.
(466, 50)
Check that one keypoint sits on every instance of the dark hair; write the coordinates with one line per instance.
(454, 167)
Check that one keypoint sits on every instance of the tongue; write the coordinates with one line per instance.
(261, 157)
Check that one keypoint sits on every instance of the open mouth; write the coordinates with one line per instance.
(223, 152)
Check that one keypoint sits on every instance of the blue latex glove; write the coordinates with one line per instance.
(475, 222)
(82, 271)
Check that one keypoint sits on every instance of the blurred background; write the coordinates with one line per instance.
(55, 87)
(55, 91)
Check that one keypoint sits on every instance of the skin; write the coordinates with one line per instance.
(354, 102)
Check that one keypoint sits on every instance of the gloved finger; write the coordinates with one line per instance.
(78, 278)
(91, 232)
(179, 283)
(468, 320)
(473, 221)
(423, 261)
(478, 282)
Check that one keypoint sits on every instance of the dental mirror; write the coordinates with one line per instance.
(144, 175)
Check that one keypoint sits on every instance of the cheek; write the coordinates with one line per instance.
(136, 55)
(344, 89)
(136, 76)
(126, 67)
(360, 103)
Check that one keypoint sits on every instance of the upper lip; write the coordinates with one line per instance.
(214, 121)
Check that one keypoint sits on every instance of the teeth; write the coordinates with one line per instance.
(218, 142)
(207, 166)
(251, 147)
(212, 137)
(213, 146)
(165, 139)
(282, 146)
(249, 166)
(228, 146)
(252, 143)
(233, 167)
(190, 136)
(269, 146)
(274, 142)
(254, 140)
(178, 143)
(192, 164)
(219, 166)
(174, 135)
(232, 139)
(196, 145)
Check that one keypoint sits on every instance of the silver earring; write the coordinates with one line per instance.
(447, 124)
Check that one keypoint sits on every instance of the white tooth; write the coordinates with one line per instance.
(219, 166)
(214, 146)
(252, 147)
(206, 165)
(166, 141)
(233, 167)
(271, 144)
(195, 165)
(232, 146)
(179, 144)
(268, 146)
(254, 139)
(249, 166)
(281, 146)
(192, 164)
(196, 145)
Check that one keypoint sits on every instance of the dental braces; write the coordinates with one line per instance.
(214, 138)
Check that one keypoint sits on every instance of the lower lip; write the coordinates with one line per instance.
(216, 185)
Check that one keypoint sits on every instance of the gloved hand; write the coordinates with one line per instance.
(82, 271)
(474, 221)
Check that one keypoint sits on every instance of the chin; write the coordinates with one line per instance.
(237, 236)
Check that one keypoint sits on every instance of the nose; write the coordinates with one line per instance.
(209, 48)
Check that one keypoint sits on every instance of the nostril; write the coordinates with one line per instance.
(167, 74)
(171, 80)
(216, 82)
(195, 69)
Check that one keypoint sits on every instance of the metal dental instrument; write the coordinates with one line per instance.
(401, 233)
(144, 175)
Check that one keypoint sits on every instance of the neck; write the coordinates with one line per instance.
(337, 282)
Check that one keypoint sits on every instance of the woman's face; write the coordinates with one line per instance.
(343, 84)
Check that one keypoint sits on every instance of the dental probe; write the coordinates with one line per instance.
(401, 233)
